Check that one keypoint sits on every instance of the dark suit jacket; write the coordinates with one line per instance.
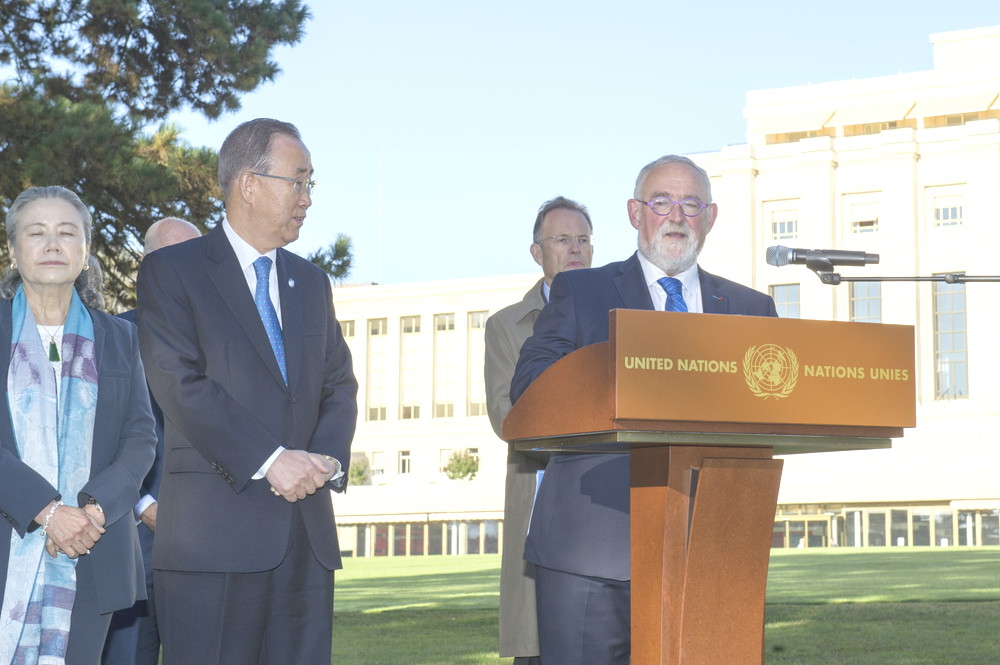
(151, 483)
(123, 445)
(226, 407)
(580, 519)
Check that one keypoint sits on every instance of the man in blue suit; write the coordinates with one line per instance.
(133, 638)
(246, 358)
(579, 533)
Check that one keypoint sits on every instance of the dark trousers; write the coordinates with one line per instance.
(582, 620)
(87, 628)
(134, 638)
(282, 616)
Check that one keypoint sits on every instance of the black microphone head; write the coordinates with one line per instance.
(778, 256)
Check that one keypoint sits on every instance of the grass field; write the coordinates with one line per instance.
(916, 606)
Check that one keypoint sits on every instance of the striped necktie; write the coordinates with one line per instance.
(675, 297)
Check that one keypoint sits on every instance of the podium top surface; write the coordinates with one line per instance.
(720, 374)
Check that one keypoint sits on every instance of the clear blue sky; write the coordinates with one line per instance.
(437, 128)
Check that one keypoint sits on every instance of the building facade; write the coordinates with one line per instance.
(905, 166)
(908, 167)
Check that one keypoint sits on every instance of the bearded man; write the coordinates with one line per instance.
(578, 537)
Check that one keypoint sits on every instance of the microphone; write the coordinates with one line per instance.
(824, 258)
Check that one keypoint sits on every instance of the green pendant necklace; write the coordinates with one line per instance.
(53, 347)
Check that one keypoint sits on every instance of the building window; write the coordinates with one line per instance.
(786, 300)
(347, 328)
(868, 128)
(404, 462)
(784, 221)
(378, 369)
(445, 365)
(951, 362)
(410, 367)
(444, 456)
(944, 203)
(948, 210)
(378, 464)
(476, 344)
(861, 212)
(793, 137)
(866, 302)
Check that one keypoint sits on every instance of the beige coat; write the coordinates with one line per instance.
(505, 333)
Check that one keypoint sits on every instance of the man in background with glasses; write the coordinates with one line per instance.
(561, 240)
(247, 361)
(579, 535)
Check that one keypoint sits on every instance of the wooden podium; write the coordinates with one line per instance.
(702, 402)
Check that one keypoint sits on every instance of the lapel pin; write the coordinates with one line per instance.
(291, 283)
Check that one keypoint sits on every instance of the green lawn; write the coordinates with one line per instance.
(891, 606)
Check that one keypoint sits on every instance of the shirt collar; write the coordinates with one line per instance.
(652, 274)
(245, 252)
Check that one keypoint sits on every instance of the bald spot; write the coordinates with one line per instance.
(169, 231)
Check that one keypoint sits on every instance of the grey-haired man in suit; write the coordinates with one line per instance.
(247, 360)
(579, 536)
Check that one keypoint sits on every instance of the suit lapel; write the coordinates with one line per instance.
(292, 308)
(6, 427)
(99, 452)
(631, 285)
(713, 300)
(225, 274)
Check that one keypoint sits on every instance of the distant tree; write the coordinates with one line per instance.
(462, 465)
(360, 471)
(149, 57)
(90, 78)
(335, 259)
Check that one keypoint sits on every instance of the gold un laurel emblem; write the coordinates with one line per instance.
(770, 370)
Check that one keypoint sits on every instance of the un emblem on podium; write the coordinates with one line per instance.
(770, 370)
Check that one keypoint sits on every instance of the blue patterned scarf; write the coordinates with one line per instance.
(54, 435)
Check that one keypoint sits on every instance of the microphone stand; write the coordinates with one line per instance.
(833, 278)
(824, 270)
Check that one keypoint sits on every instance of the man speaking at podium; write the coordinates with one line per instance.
(579, 533)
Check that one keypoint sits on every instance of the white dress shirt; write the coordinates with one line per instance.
(689, 280)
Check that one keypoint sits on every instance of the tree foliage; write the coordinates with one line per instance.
(147, 56)
(359, 472)
(462, 465)
(88, 83)
(335, 259)
(127, 178)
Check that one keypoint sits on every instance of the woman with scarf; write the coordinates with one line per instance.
(76, 440)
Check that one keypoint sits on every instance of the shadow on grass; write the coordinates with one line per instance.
(960, 633)
(427, 591)
(416, 637)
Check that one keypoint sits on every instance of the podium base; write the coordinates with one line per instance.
(701, 523)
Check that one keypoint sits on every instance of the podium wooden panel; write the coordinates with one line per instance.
(702, 403)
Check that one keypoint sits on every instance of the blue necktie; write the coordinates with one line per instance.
(675, 297)
(262, 296)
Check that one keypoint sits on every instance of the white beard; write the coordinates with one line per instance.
(679, 258)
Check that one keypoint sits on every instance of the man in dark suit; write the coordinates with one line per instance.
(259, 400)
(133, 638)
(579, 533)
(560, 241)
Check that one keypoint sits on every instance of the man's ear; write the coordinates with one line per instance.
(633, 212)
(536, 252)
(713, 212)
(247, 185)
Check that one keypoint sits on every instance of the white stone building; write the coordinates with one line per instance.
(906, 166)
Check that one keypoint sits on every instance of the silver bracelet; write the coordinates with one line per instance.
(48, 517)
